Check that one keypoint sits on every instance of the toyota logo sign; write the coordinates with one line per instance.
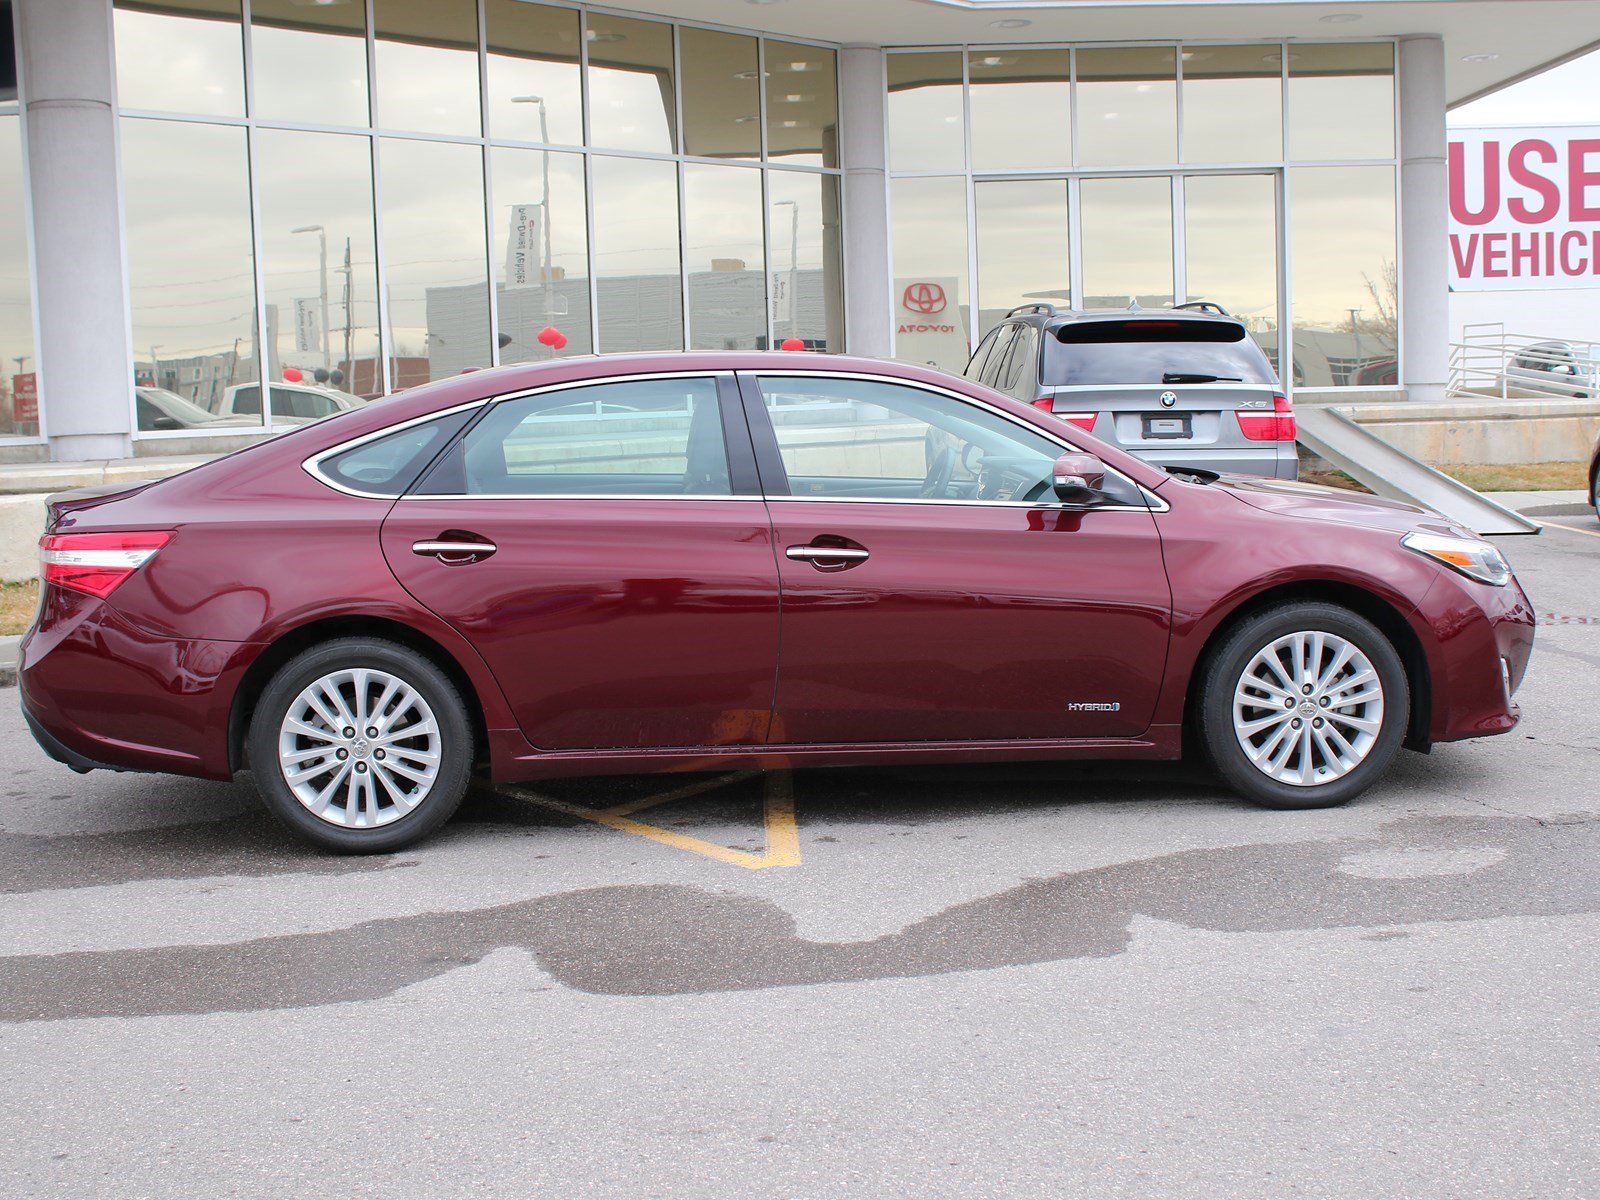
(924, 298)
(1168, 399)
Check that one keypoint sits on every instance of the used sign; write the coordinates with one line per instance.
(1525, 208)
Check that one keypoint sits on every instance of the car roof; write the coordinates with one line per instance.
(1048, 316)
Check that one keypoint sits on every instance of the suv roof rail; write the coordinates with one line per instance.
(1210, 306)
(1048, 310)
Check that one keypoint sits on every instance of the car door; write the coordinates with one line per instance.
(933, 589)
(612, 565)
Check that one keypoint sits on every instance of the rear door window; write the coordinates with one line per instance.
(1154, 352)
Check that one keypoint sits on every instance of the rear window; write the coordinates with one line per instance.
(1153, 352)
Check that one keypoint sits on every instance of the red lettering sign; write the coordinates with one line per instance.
(25, 399)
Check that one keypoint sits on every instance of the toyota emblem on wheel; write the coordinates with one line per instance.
(1168, 399)
(924, 298)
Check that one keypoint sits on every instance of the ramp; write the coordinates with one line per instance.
(1374, 463)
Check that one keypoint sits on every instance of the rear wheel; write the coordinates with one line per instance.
(1304, 706)
(361, 745)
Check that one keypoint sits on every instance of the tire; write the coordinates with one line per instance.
(1341, 737)
(350, 792)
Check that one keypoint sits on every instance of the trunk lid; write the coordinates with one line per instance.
(76, 501)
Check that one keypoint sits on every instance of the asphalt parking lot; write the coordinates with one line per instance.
(1103, 981)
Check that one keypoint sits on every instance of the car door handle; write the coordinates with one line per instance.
(841, 553)
(453, 552)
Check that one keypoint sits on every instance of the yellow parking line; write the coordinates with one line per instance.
(782, 835)
(1569, 528)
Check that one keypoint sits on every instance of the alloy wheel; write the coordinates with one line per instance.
(359, 748)
(1308, 708)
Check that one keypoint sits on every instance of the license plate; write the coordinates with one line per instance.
(1166, 427)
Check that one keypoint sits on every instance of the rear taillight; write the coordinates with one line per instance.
(1083, 420)
(1274, 426)
(96, 563)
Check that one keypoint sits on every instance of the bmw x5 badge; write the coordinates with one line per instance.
(1168, 399)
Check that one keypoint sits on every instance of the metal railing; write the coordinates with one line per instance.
(1489, 363)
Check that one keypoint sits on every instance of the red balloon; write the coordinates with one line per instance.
(293, 374)
(791, 344)
(561, 341)
(548, 335)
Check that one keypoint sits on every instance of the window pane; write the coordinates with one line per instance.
(19, 387)
(806, 288)
(191, 272)
(636, 255)
(388, 465)
(1341, 101)
(1022, 246)
(434, 260)
(427, 64)
(722, 255)
(319, 259)
(1127, 242)
(1232, 104)
(881, 441)
(310, 62)
(535, 80)
(654, 437)
(542, 271)
(1127, 107)
(721, 94)
(1021, 109)
(929, 218)
(1231, 246)
(180, 56)
(804, 130)
(631, 104)
(925, 128)
(1345, 295)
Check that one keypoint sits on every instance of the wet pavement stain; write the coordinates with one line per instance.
(670, 940)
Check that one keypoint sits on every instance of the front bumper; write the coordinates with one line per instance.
(99, 692)
(1481, 641)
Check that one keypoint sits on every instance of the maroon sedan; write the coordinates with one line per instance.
(695, 562)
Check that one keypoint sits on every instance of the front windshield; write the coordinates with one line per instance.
(174, 405)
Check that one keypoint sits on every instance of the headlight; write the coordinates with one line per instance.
(1473, 558)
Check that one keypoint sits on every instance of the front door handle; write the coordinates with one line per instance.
(453, 551)
(827, 557)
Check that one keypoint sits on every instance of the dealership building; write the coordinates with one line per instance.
(203, 198)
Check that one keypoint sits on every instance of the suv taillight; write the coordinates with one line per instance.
(1274, 426)
(1083, 420)
(96, 563)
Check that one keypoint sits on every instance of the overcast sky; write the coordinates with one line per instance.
(1565, 95)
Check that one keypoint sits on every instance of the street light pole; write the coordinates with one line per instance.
(322, 260)
(794, 263)
(544, 206)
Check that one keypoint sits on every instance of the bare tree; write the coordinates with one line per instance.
(1385, 293)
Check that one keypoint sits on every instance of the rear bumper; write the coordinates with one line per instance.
(98, 692)
(1275, 460)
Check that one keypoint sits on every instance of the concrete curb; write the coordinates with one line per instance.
(10, 647)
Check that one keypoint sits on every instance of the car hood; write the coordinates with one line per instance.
(1317, 503)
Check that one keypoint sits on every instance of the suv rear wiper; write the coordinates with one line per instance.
(1180, 377)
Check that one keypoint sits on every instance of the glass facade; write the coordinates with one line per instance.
(19, 378)
(1104, 176)
(397, 192)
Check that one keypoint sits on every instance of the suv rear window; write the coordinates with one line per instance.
(1153, 352)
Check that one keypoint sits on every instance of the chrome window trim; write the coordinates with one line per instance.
(1157, 504)
(312, 465)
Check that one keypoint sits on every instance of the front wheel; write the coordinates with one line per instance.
(361, 745)
(1304, 706)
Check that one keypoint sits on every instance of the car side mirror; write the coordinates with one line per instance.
(1078, 478)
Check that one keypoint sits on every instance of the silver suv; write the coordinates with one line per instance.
(1185, 388)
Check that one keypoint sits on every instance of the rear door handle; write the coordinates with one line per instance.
(453, 551)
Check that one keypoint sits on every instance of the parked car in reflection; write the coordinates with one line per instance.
(160, 409)
(292, 403)
(588, 567)
(1555, 369)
